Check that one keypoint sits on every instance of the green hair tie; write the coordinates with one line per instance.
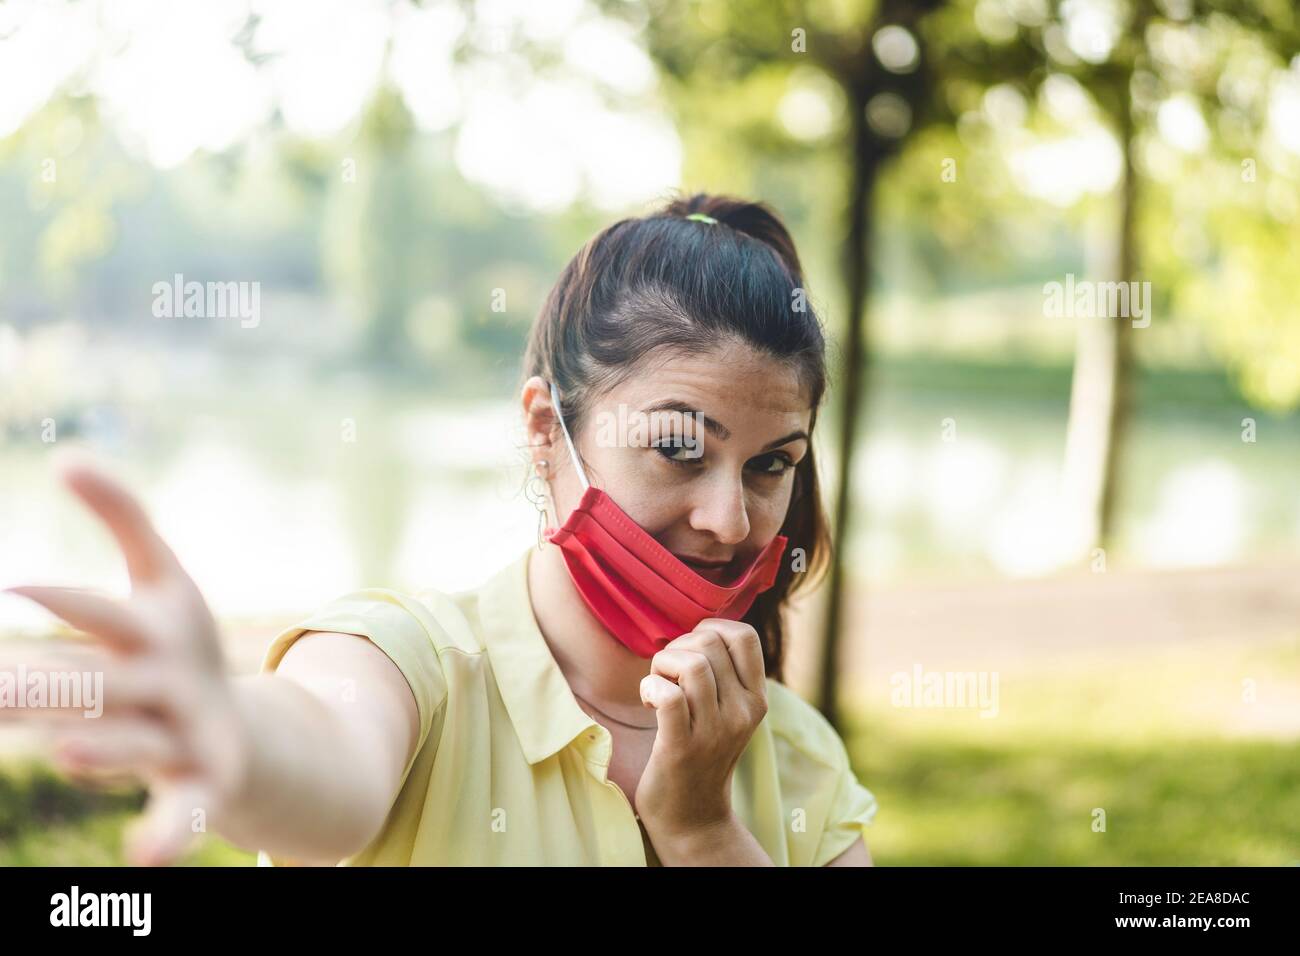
(703, 218)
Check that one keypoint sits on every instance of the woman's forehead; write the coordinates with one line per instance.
(732, 386)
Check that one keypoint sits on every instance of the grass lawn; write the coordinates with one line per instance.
(1146, 741)
(1151, 741)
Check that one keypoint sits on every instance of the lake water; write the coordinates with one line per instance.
(279, 491)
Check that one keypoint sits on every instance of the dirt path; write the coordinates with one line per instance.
(1031, 623)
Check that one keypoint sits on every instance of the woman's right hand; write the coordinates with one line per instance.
(169, 713)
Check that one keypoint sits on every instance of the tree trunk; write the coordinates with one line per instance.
(1123, 360)
(1100, 398)
(856, 265)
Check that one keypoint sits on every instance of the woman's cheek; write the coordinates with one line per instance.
(649, 507)
(767, 511)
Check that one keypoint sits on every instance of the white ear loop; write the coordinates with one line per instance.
(555, 403)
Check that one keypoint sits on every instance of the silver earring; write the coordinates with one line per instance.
(535, 490)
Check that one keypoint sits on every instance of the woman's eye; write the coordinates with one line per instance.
(774, 464)
(675, 450)
(679, 453)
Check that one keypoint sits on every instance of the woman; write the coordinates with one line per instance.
(613, 695)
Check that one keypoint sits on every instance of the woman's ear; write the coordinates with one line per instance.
(540, 423)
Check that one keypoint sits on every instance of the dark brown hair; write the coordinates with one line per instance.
(663, 281)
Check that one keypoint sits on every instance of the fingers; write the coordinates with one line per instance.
(693, 673)
(91, 613)
(177, 810)
(125, 745)
(670, 707)
(50, 681)
(59, 687)
(88, 778)
(746, 651)
(51, 654)
(148, 558)
(707, 641)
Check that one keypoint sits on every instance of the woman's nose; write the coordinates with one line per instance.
(719, 508)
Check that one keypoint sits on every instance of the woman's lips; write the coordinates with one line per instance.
(714, 571)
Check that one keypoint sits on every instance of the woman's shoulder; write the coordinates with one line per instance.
(443, 619)
(448, 619)
(424, 631)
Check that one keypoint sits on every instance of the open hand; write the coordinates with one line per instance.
(168, 711)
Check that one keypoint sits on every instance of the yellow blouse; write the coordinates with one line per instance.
(510, 771)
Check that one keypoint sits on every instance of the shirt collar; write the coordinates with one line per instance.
(542, 708)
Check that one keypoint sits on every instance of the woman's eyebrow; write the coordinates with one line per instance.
(676, 405)
(716, 427)
(793, 436)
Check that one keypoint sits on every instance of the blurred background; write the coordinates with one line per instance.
(1100, 513)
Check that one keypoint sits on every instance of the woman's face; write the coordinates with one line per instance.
(699, 450)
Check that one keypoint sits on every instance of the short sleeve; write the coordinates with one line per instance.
(853, 808)
(398, 625)
(816, 779)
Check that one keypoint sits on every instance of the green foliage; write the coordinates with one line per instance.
(45, 820)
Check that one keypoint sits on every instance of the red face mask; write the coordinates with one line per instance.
(643, 594)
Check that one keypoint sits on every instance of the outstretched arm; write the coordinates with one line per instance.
(282, 762)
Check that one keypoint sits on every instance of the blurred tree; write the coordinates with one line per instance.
(1135, 80)
(1134, 58)
(60, 216)
(1231, 75)
(374, 254)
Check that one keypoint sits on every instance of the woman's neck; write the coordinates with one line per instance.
(597, 667)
